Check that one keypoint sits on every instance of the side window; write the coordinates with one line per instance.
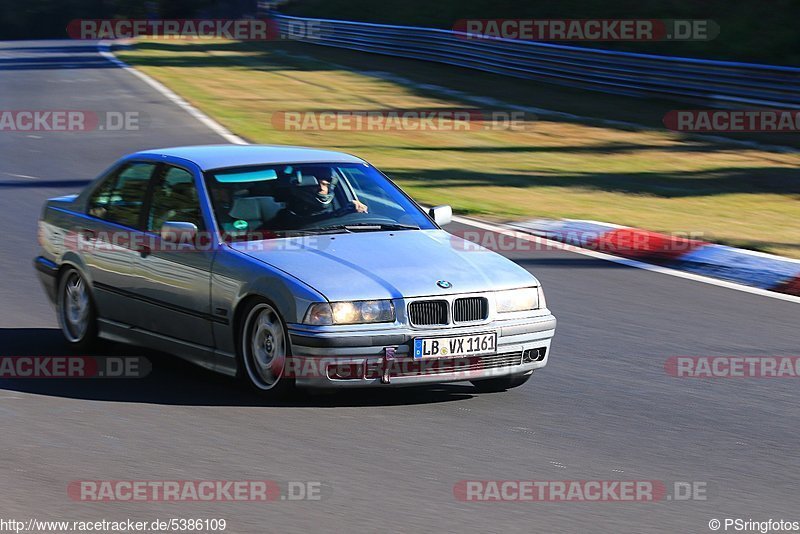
(98, 203)
(121, 197)
(174, 200)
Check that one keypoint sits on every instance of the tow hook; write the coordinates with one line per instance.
(388, 358)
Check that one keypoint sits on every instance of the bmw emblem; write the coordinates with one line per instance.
(444, 284)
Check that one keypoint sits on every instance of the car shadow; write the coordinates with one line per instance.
(172, 381)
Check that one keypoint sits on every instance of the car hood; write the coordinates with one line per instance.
(375, 265)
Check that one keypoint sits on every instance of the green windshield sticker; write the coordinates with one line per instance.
(244, 177)
(240, 224)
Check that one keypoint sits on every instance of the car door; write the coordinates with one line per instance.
(174, 280)
(113, 214)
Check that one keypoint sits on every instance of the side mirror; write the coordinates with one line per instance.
(183, 233)
(441, 215)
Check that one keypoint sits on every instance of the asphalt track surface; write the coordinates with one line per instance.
(603, 409)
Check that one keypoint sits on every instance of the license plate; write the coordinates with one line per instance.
(454, 347)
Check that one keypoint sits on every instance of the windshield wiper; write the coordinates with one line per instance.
(313, 231)
(273, 234)
(366, 227)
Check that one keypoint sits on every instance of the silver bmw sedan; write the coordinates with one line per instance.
(287, 266)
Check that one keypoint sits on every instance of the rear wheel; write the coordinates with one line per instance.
(76, 312)
(502, 383)
(264, 350)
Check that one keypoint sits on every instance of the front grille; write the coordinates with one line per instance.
(439, 366)
(428, 312)
(470, 309)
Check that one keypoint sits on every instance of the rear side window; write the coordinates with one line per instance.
(174, 200)
(120, 198)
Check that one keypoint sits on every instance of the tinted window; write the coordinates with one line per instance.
(120, 198)
(174, 200)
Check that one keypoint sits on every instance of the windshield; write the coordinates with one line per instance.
(259, 201)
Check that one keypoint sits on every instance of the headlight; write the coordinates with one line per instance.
(344, 312)
(364, 311)
(516, 300)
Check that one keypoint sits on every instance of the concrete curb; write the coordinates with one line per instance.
(765, 271)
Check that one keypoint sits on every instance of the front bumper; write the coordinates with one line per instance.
(384, 358)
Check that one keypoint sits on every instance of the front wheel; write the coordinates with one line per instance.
(502, 383)
(76, 312)
(264, 350)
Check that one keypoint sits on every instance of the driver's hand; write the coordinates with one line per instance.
(360, 206)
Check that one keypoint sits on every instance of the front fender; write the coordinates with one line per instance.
(237, 276)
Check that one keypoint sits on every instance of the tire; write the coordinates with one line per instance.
(263, 350)
(502, 383)
(77, 314)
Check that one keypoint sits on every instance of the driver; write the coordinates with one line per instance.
(319, 200)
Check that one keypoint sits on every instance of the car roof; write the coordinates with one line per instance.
(209, 157)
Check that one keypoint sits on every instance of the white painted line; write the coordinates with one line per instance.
(764, 255)
(625, 261)
(105, 50)
(21, 176)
